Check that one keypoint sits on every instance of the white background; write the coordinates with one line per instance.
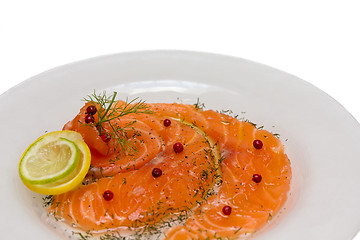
(318, 41)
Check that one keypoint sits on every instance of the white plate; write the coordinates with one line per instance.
(320, 136)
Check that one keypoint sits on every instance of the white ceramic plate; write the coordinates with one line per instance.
(320, 136)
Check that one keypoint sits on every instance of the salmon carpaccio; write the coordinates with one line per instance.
(214, 170)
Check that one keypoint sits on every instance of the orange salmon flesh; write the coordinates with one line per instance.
(214, 170)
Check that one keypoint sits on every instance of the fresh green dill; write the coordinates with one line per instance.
(276, 135)
(237, 230)
(198, 105)
(247, 120)
(83, 236)
(205, 174)
(108, 110)
(108, 236)
(227, 112)
(222, 158)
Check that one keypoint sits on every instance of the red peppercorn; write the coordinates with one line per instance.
(91, 110)
(258, 144)
(167, 122)
(89, 119)
(226, 210)
(108, 195)
(106, 137)
(257, 178)
(178, 147)
(156, 172)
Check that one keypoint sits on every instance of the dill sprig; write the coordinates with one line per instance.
(108, 110)
(198, 105)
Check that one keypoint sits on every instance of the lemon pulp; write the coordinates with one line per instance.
(55, 163)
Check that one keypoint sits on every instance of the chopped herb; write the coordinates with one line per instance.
(276, 135)
(237, 230)
(227, 112)
(108, 236)
(83, 236)
(198, 105)
(204, 174)
(48, 200)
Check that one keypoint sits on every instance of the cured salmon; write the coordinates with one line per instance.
(215, 169)
(253, 204)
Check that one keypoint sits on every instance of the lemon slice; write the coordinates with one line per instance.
(49, 159)
(69, 179)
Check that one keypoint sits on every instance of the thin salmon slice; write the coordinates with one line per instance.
(253, 204)
(140, 198)
(214, 170)
(108, 159)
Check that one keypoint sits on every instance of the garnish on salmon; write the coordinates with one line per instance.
(203, 170)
